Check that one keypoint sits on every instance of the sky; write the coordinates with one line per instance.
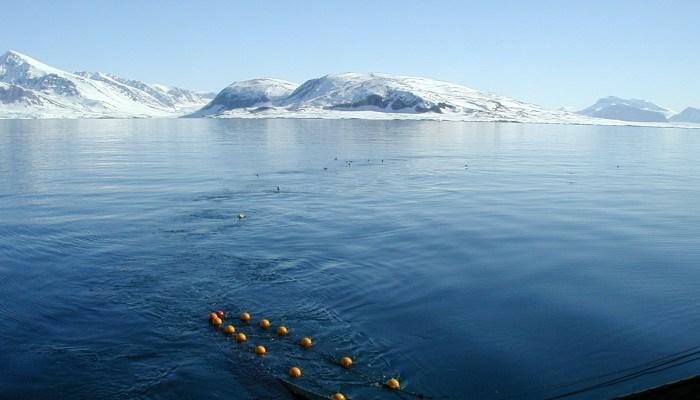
(551, 53)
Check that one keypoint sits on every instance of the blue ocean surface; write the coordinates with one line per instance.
(468, 260)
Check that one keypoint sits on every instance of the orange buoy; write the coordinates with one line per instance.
(229, 329)
(241, 337)
(346, 362)
(217, 321)
(295, 372)
(282, 330)
(212, 317)
(245, 317)
(393, 383)
(260, 350)
(264, 323)
(338, 396)
(220, 313)
(306, 342)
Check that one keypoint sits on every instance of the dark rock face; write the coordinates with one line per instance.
(437, 108)
(231, 101)
(306, 88)
(396, 103)
(373, 100)
(53, 83)
(15, 94)
(260, 109)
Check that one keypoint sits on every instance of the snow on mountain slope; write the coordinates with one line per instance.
(388, 93)
(257, 93)
(155, 95)
(32, 89)
(15, 66)
(209, 96)
(627, 110)
(690, 114)
(382, 96)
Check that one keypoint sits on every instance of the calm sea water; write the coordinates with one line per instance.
(481, 261)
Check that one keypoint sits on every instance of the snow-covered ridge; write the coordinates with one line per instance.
(254, 93)
(404, 94)
(32, 89)
(378, 96)
(381, 92)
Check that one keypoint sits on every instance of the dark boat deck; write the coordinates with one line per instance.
(685, 389)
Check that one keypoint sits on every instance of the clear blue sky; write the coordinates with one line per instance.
(553, 53)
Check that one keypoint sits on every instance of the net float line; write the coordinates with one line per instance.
(217, 318)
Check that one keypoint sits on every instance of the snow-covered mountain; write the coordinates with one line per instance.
(32, 89)
(627, 110)
(378, 96)
(690, 114)
(254, 93)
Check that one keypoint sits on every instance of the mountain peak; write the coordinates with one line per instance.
(15, 54)
(17, 57)
(259, 92)
(16, 66)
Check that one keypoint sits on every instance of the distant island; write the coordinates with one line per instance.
(32, 89)
(638, 111)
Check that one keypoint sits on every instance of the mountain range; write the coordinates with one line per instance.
(372, 96)
(635, 110)
(32, 89)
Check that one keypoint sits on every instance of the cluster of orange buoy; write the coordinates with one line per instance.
(216, 318)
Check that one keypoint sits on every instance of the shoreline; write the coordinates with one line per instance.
(373, 116)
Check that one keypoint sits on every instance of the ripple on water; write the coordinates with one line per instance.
(279, 291)
(477, 259)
